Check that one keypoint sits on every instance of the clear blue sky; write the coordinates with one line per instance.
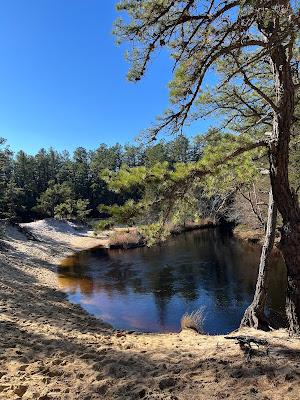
(63, 79)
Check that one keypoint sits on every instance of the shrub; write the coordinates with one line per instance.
(125, 239)
(73, 209)
(154, 233)
(102, 225)
(194, 320)
(64, 210)
(125, 214)
(82, 210)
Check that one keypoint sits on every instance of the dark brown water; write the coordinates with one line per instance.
(149, 289)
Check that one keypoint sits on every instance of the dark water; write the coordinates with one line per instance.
(150, 289)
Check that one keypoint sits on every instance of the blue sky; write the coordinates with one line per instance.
(63, 79)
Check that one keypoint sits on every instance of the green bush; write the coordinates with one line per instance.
(153, 233)
(72, 209)
(102, 225)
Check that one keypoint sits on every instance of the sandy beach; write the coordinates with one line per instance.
(52, 349)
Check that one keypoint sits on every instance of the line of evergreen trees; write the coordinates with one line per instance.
(57, 184)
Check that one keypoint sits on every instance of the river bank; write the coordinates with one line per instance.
(52, 349)
(132, 237)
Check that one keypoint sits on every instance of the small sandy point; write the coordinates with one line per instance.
(52, 349)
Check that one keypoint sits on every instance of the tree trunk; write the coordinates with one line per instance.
(286, 199)
(254, 315)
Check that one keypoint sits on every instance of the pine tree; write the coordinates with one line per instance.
(239, 34)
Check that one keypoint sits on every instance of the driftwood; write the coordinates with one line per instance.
(246, 342)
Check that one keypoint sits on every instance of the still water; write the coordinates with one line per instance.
(149, 289)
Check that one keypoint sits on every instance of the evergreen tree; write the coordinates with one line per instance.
(54, 195)
(155, 154)
(133, 156)
(239, 35)
(81, 173)
(178, 150)
(26, 178)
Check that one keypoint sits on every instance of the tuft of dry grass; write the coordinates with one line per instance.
(125, 239)
(193, 320)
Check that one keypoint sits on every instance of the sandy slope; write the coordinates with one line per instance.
(51, 349)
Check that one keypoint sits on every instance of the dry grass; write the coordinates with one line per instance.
(190, 225)
(250, 235)
(193, 320)
(125, 239)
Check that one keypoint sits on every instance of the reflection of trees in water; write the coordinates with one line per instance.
(209, 261)
(236, 270)
(72, 276)
(163, 289)
(187, 283)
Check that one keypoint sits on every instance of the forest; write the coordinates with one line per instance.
(57, 184)
(52, 183)
(80, 186)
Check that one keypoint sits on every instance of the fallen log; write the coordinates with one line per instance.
(246, 342)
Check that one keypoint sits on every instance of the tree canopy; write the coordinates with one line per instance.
(252, 49)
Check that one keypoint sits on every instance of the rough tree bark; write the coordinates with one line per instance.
(285, 199)
(254, 315)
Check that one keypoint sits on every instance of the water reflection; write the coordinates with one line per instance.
(149, 289)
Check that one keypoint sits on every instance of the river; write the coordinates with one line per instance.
(149, 289)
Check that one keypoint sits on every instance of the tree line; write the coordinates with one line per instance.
(63, 185)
